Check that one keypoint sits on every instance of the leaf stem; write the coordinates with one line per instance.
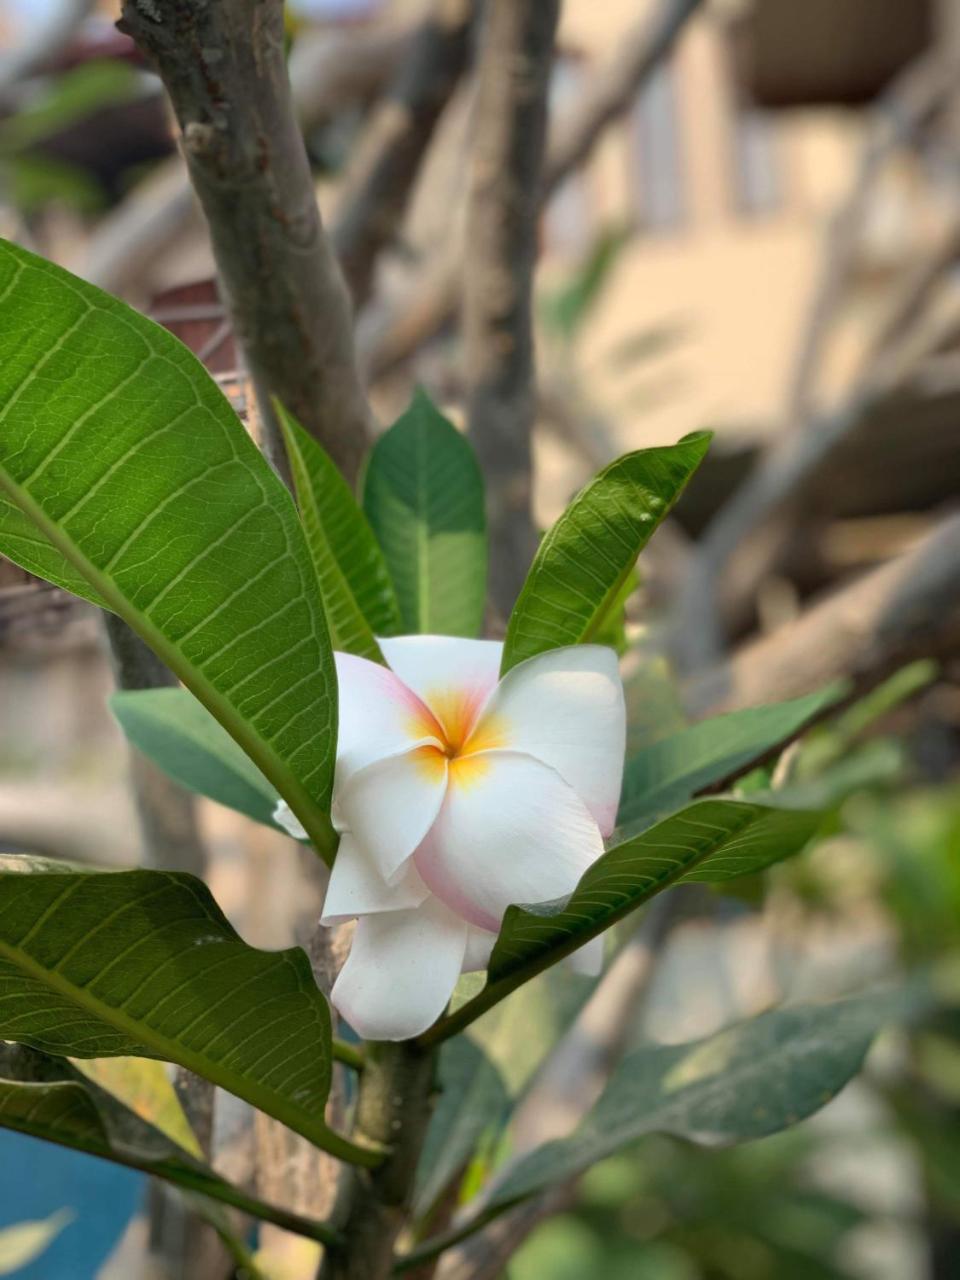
(348, 1054)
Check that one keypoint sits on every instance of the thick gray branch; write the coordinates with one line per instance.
(504, 199)
(224, 68)
(386, 163)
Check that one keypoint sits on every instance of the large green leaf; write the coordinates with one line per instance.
(423, 495)
(711, 841)
(584, 560)
(22, 542)
(47, 1098)
(357, 592)
(144, 963)
(669, 772)
(182, 738)
(752, 1079)
(746, 1082)
(125, 454)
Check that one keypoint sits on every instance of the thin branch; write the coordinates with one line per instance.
(504, 198)
(389, 155)
(224, 68)
(431, 300)
(908, 608)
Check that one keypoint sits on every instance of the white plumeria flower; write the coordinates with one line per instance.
(457, 794)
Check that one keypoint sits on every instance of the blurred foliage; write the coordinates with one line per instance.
(32, 175)
(666, 1211)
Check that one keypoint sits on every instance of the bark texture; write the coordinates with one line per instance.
(504, 200)
(224, 69)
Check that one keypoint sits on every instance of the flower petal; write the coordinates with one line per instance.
(454, 677)
(401, 971)
(566, 708)
(379, 715)
(479, 947)
(510, 830)
(356, 888)
(390, 805)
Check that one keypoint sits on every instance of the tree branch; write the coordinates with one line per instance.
(908, 608)
(504, 198)
(224, 68)
(432, 298)
(390, 152)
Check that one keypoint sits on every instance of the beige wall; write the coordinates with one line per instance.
(732, 289)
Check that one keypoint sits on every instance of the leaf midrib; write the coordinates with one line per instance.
(316, 823)
(507, 982)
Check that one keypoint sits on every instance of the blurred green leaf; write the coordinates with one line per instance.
(565, 309)
(144, 964)
(69, 99)
(357, 592)
(752, 1079)
(668, 773)
(473, 1100)
(131, 462)
(181, 737)
(143, 1085)
(584, 560)
(423, 495)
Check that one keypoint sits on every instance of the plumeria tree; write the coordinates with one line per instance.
(468, 795)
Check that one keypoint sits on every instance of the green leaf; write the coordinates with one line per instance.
(473, 1101)
(144, 1086)
(357, 592)
(584, 560)
(47, 1098)
(182, 738)
(144, 964)
(122, 450)
(25, 1241)
(668, 773)
(423, 495)
(746, 1082)
(709, 842)
(22, 542)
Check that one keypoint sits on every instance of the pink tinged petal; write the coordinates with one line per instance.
(588, 959)
(401, 971)
(379, 715)
(510, 831)
(566, 708)
(479, 946)
(284, 816)
(389, 806)
(356, 888)
(454, 677)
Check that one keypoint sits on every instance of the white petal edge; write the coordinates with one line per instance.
(401, 971)
(435, 667)
(356, 888)
(389, 806)
(378, 715)
(480, 944)
(514, 833)
(566, 708)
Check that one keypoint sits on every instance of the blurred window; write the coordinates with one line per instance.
(758, 187)
(656, 159)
